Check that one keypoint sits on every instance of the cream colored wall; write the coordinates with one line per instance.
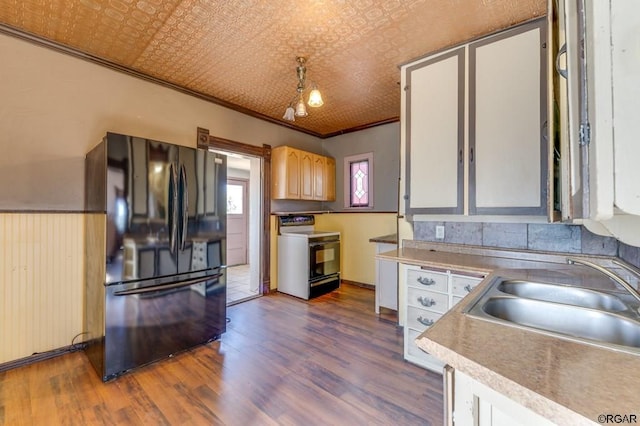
(53, 109)
(358, 263)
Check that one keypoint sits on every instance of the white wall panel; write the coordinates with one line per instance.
(41, 277)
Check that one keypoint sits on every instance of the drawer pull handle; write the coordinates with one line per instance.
(425, 301)
(426, 281)
(427, 322)
(468, 288)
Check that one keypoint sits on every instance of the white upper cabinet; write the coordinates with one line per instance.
(507, 116)
(435, 122)
(600, 101)
(475, 127)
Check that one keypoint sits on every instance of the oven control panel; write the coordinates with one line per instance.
(296, 220)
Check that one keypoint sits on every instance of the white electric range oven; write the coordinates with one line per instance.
(308, 259)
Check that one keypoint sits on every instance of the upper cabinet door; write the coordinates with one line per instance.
(319, 178)
(434, 125)
(508, 152)
(330, 179)
(293, 173)
(306, 169)
(625, 83)
(285, 182)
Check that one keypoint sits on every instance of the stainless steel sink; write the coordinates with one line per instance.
(569, 320)
(572, 313)
(563, 294)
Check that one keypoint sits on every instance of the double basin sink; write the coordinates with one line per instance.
(603, 318)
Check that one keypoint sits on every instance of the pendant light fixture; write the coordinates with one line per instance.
(315, 97)
(297, 106)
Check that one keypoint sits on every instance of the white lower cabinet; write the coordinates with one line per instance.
(475, 404)
(386, 280)
(428, 294)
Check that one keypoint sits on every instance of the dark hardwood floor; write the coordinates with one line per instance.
(328, 361)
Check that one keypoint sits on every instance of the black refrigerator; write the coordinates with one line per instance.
(155, 230)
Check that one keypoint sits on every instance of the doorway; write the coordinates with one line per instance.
(257, 173)
(243, 227)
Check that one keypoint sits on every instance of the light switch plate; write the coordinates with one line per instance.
(439, 232)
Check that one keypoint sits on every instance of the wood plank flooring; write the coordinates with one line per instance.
(283, 361)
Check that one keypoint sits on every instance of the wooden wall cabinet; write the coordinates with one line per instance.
(302, 175)
(475, 127)
(330, 178)
(286, 173)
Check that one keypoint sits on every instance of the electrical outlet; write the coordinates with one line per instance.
(439, 232)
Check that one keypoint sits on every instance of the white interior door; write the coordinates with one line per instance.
(237, 214)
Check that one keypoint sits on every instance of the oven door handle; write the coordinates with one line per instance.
(324, 243)
(330, 278)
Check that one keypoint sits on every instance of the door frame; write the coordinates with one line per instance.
(205, 141)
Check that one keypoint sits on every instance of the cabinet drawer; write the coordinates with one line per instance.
(427, 280)
(421, 319)
(420, 356)
(461, 285)
(455, 300)
(431, 300)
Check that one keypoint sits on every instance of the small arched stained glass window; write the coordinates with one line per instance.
(358, 181)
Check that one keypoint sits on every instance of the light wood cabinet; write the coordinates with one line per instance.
(429, 294)
(287, 173)
(302, 175)
(307, 175)
(330, 179)
(319, 177)
(475, 127)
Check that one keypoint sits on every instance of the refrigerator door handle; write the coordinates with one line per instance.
(173, 210)
(165, 286)
(184, 193)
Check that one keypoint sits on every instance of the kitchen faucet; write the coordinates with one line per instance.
(614, 277)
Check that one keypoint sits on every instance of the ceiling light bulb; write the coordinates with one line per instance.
(315, 98)
(301, 109)
(289, 114)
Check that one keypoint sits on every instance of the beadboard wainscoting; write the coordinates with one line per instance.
(41, 282)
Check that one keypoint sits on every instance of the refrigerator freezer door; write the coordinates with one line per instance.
(145, 323)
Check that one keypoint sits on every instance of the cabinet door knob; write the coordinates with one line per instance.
(427, 322)
(425, 301)
(468, 288)
(426, 281)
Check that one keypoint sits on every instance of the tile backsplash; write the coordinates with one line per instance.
(528, 236)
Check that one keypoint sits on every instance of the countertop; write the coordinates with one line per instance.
(387, 239)
(564, 381)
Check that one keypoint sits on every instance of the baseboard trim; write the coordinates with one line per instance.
(37, 357)
(357, 284)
